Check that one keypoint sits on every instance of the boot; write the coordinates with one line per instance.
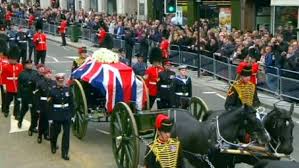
(19, 124)
(39, 139)
(53, 148)
(65, 156)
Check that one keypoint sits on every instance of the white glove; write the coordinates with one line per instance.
(50, 121)
(38, 111)
(73, 119)
(19, 99)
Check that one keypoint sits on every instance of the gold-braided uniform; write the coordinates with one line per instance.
(78, 62)
(164, 155)
(241, 93)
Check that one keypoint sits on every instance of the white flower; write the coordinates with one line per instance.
(105, 56)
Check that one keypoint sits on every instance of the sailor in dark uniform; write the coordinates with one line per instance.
(11, 34)
(243, 91)
(165, 87)
(3, 35)
(21, 39)
(164, 151)
(182, 88)
(60, 115)
(30, 33)
(25, 94)
(140, 67)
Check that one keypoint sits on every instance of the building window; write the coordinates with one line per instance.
(285, 17)
(94, 5)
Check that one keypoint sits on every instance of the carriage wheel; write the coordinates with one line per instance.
(125, 141)
(147, 106)
(80, 108)
(198, 108)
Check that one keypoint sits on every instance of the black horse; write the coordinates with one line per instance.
(201, 138)
(279, 125)
(276, 164)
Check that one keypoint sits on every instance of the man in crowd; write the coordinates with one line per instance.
(243, 91)
(164, 151)
(165, 94)
(10, 74)
(61, 105)
(25, 95)
(152, 74)
(182, 88)
(140, 67)
(40, 43)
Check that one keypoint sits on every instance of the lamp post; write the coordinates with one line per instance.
(198, 40)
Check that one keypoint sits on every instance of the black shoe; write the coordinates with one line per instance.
(5, 115)
(65, 157)
(30, 132)
(39, 139)
(19, 124)
(47, 138)
(53, 149)
(34, 130)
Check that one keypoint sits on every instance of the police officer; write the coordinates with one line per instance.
(243, 91)
(182, 88)
(79, 61)
(60, 115)
(164, 151)
(29, 35)
(10, 74)
(3, 62)
(11, 34)
(43, 87)
(152, 74)
(22, 43)
(25, 95)
(164, 87)
(140, 67)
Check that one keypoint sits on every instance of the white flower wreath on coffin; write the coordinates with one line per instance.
(105, 56)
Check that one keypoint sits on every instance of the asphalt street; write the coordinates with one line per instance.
(18, 150)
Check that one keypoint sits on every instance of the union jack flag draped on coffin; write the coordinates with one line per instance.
(116, 81)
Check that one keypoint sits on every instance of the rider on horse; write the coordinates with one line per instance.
(242, 92)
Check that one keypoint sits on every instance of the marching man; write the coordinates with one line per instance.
(82, 56)
(164, 151)
(60, 115)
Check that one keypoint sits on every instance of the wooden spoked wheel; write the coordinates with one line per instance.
(125, 141)
(198, 108)
(80, 108)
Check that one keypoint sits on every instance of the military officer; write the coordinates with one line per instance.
(3, 62)
(243, 91)
(140, 67)
(25, 95)
(3, 35)
(22, 43)
(11, 34)
(60, 115)
(40, 43)
(30, 34)
(10, 74)
(152, 74)
(165, 86)
(82, 56)
(62, 29)
(164, 151)
(43, 87)
(182, 88)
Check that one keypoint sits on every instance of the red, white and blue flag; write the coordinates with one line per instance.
(116, 81)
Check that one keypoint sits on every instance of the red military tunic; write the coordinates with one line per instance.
(102, 35)
(152, 79)
(164, 46)
(11, 72)
(8, 16)
(3, 62)
(31, 20)
(255, 69)
(40, 41)
(63, 26)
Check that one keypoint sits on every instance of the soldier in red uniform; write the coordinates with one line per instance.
(40, 42)
(31, 20)
(8, 17)
(62, 29)
(164, 46)
(10, 76)
(101, 36)
(152, 74)
(3, 62)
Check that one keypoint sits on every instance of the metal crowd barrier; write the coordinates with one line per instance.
(280, 82)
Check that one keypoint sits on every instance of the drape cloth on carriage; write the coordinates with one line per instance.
(116, 81)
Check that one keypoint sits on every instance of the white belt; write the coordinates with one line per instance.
(152, 83)
(165, 86)
(61, 105)
(182, 94)
(42, 42)
(43, 98)
(12, 39)
(22, 41)
(11, 78)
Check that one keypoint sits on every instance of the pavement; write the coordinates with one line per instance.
(18, 150)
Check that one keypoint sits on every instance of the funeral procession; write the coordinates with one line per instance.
(149, 84)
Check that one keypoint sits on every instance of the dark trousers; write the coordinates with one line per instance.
(163, 103)
(63, 39)
(43, 119)
(55, 131)
(23, 54)
(40, 56)
(2, 98)
(25, 106)
(152, 100)
(9, 97)
(129, 53)
(31, 49)
(182, 102)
